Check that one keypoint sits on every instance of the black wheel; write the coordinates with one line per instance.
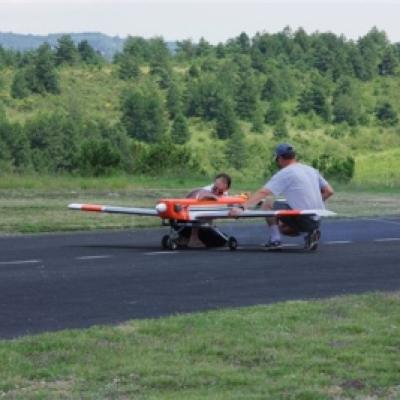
(164, 242)
(232, 243)
(172, 245)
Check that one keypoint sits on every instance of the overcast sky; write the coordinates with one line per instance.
(214, 20)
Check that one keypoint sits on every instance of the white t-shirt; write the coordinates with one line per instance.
(300, 184)
(209, 188)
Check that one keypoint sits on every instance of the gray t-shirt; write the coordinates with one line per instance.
(300, 184)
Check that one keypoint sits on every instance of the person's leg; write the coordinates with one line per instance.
(312, 228)
(273, 223)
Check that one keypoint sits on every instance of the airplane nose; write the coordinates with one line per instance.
(161, 208)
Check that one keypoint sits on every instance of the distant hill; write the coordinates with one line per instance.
(106, 45)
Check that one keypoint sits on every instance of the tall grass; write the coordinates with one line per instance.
(381, 168)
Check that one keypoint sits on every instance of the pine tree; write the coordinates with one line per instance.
(236, 150)
(19, 86)
(87, 53)
(143, 113)
(226, 124)
(180, 133)
(128, 67)
(66, 51)
(43, 78)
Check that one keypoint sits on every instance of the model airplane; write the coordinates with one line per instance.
(181, 214)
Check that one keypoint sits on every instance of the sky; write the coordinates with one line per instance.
(216, 21)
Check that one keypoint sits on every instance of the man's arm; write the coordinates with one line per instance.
(255, 198)
(327, 192)
(251, 201)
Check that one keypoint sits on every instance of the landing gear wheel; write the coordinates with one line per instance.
(172, 245)
(164, 242)
(232, 243)
(167, 243)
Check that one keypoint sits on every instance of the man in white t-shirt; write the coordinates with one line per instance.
(209, 236)
(303, 188)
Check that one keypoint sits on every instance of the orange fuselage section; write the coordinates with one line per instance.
(179, 209)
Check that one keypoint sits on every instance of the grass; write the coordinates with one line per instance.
(341, 348)
(379, 168)
(33, 204)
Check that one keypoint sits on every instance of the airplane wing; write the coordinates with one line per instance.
(217, 214)
(114, 209)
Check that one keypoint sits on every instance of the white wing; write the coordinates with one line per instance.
(114, 209)
(217, 214)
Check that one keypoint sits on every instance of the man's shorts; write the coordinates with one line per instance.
(301, 223)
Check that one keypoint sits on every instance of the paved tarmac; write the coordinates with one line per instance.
(57, 281)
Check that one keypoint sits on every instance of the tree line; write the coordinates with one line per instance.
(269, 80)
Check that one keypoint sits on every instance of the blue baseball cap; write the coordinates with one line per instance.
(284, 149)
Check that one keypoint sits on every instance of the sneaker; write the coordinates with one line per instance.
(311, 240)
(273, 245)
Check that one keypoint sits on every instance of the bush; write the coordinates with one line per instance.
(338, 168)
(386, 114)
(167, 158)
(98, 157)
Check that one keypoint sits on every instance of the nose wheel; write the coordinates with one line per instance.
(167, 243)
(232, 243)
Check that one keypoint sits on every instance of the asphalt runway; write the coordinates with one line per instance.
(58, 281)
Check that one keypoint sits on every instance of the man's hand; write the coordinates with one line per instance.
(235, 211)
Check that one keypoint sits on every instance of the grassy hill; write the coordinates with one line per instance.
(336, 113)
(95, 93)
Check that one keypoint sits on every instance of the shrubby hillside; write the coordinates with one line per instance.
(203, 108)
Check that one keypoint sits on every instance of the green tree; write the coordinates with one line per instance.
(159, 54)
(180, 133)
(98, 157)
(244, 42)
(54, 142)
(143, 113)
(185, 50)
(226, 123)
(167, 158)
(371, 47)
(386, 113)
(340, 168)
(136, 47)
(163, 75)
(346, 102)
(247, 97)
(128, 67)
(42, 76)
(274, 113)
(389, 62)
(14, 147)
(20, 87)
(88, 54)
(193, 71)
(315, 98)
(246, 90)
(203, 95)
(257, 119)
(235, 150)
(66, 51)
(346, 108)
(280, 129)
(203, 48)
(174, 100)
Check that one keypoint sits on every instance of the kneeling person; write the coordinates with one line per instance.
(303, 188)
(209, 236)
